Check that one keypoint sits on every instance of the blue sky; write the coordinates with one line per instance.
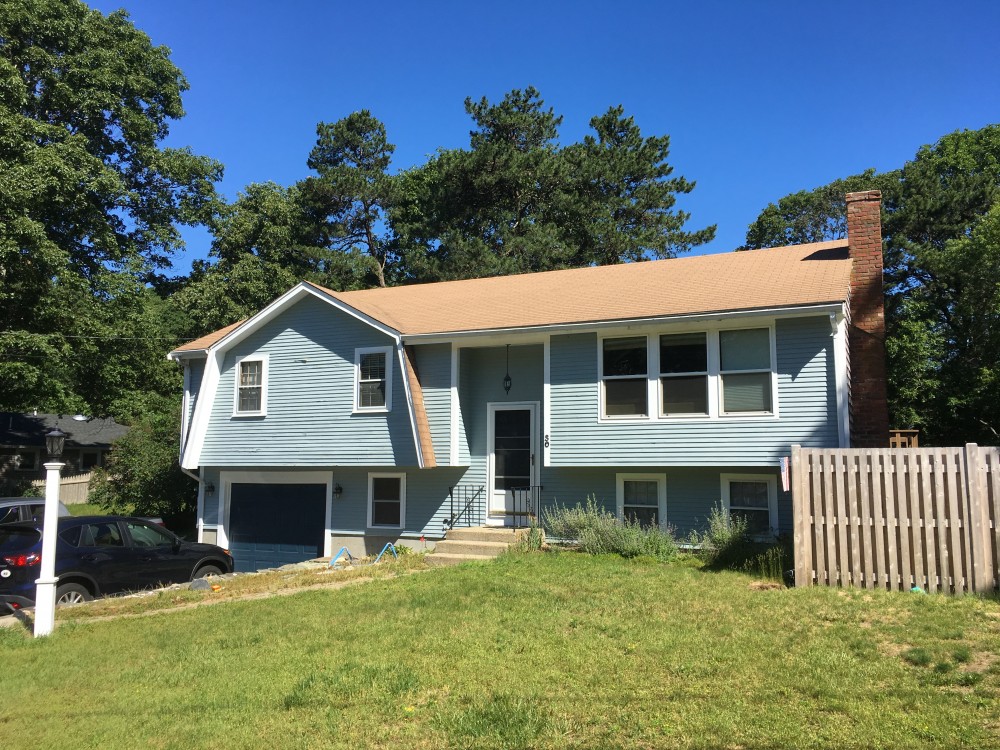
(760, 99)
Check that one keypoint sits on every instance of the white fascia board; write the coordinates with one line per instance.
(289, 298)
(537, 334)
(410, 408)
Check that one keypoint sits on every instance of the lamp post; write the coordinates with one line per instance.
(45, 586)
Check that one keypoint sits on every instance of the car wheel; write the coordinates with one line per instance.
(72, 593)
(207, 570)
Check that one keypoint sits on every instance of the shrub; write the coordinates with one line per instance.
(568, 524)
(599, 532)
(725, 544)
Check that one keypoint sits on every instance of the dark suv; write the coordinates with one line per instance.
(97, 555)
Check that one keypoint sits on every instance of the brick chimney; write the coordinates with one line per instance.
(866, 334)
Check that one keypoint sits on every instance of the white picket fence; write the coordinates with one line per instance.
(74, 489)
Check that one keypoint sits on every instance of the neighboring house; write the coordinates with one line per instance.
(22, 445)
(660, 389)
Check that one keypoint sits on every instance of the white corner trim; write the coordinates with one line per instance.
(387, 351)
(455, 406)
(185, 417)
(203, 411)
(546, 401)
(843, 385)
(410, 408)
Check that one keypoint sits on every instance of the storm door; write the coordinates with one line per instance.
(513, 470)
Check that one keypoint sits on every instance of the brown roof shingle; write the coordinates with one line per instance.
(797, 275)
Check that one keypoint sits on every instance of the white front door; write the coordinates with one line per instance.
(513, 464)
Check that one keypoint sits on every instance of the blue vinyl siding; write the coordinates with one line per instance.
(196, 370)
(310, 389)
(426, 500)
(481, 376)
(691, 491)
(434, 366)
(806, 403)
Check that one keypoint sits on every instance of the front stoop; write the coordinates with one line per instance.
(477, 543)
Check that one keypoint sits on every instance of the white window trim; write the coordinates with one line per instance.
(773, 372)
(402, 497)
(772, 496)
(650, 395)
(659, 378)
(262, 412)
(358, 353)
(654, 395)
(661, 493)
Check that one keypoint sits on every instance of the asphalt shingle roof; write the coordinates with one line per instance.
(790, 276)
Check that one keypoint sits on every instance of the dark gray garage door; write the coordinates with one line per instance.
(276, 524)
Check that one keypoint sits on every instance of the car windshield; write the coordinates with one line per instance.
(15, 541)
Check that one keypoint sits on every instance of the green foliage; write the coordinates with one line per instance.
(90, 204)
(725, 542)
(941, 229)
(516, 201)
(143, 476)
(599, 532)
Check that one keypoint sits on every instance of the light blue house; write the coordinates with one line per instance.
(659, 388)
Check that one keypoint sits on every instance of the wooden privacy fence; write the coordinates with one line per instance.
(73, 489)
(897, 517)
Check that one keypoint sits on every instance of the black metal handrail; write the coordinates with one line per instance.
(467, 505)
(526, 503)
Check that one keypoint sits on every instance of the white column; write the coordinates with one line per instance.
(45, 586)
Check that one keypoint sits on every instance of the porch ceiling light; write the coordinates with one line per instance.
(506, 378)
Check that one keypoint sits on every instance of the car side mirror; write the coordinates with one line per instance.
(177, 544)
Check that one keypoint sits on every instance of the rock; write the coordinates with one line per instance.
(200, 584)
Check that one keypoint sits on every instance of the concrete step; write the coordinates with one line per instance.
(486, 534)
(441, 559)
(470, 547)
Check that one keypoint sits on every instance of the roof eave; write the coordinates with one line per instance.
(779, 311)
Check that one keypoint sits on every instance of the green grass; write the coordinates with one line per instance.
(86, 509)
(530, 651)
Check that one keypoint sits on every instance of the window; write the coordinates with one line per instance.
(386, 500)
(745, 369)
(19, 460)
(643, 498)
(623, 372)
(251, 386)
(755, 498)
(102, 535)
(684, 374)
(373, 376)
(148, 536)
(89, 459)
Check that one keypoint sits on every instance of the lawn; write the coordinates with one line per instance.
(541, 650)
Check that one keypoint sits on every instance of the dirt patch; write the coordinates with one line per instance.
(766, 586)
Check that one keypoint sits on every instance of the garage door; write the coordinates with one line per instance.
(276, 524)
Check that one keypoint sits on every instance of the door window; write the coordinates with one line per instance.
(512, 449)
(148, 536)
